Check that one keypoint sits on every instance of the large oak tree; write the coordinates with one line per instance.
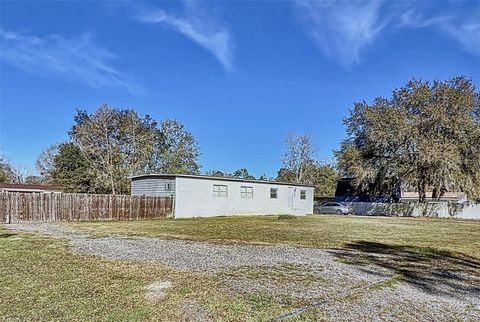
(426, 136)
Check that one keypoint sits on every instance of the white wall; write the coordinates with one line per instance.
(194, 198)
(414, 209)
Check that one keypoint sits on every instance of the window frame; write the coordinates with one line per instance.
(303, 193)
(273, 193)
(168, 186)
(246, 192)
(219, 193)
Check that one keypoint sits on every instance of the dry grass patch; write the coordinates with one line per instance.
(460, 236)
(283, 273)
(45, 281)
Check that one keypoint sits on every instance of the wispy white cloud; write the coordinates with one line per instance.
(467, 34)
(75, 59)
(413, 18)
(463, 28)
(345, 30)
(200, 27)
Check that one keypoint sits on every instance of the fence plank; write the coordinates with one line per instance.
(36, 207)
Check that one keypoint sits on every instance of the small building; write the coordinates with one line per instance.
(205, 196)
(20, 187)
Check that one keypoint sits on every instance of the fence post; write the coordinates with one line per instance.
(17, 196)
(9, 211)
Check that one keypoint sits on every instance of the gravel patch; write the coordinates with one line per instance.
(402, 303)
(194, 312)
(192, 255)
(155, 290)
(438, 295)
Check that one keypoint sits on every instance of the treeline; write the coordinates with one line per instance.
(108, 146)
(425, 137)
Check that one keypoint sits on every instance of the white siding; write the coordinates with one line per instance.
(195, 198)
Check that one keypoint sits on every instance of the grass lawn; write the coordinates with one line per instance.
(42, 280)
(423, 234)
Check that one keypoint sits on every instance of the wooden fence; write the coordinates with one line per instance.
(37, 207)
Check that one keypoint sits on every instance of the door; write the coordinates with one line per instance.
(291, 194)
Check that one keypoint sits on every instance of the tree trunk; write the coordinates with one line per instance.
(421, 191)
(113, 184)
(442, 192)
(435, 193)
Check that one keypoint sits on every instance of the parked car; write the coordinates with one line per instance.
(333, 208)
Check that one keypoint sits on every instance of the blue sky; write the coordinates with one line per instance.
(239, 75)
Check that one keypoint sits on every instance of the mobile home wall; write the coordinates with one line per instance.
(194, 197)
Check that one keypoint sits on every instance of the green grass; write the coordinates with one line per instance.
(423, 234)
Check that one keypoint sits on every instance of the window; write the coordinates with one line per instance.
(168, 186)
(220, 191)
(273, 193)
(246, 192)
(303, 194)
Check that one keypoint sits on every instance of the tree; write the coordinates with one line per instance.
(73, 171)
(12, 174)
(298, 156)
(323, 175)
(242, 173)
(7, 171)
(217, 173)
(264, 177)
(45, 163)
(176, 150)
(116, 143)
(119, 143)
(426, 136)
(33, 179)
(299, 165)
(326, 178)
(285, 175)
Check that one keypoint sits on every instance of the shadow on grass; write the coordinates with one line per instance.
(433, 271)
(7, 235)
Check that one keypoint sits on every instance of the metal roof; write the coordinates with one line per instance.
(192, 176)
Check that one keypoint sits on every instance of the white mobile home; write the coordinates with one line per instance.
(204, 196)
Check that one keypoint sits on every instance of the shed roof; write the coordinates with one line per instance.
(29, 187)
(205, 177)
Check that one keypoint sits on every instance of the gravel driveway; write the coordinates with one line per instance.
(437, 295)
